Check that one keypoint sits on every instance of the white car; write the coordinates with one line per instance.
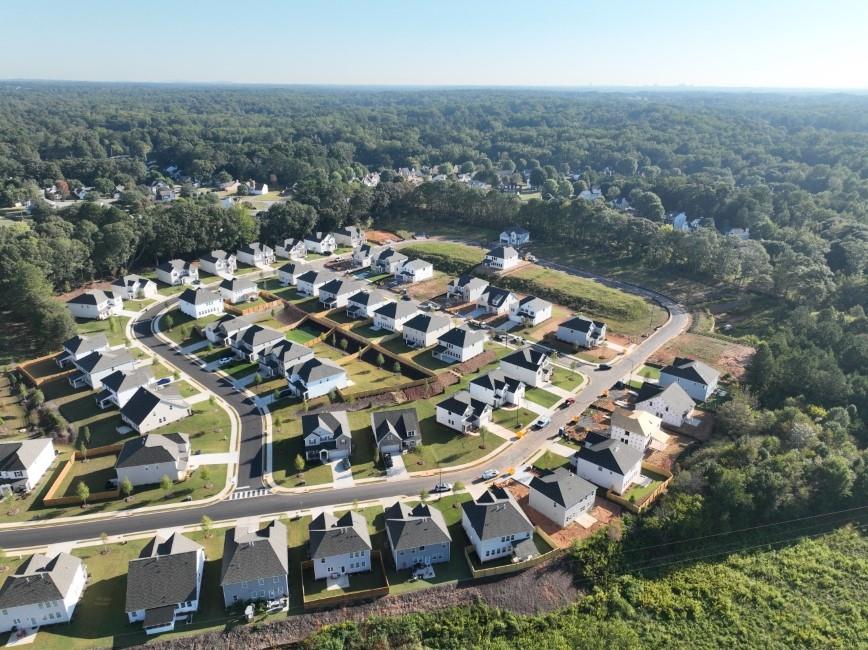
(542, 421)
(489, 474)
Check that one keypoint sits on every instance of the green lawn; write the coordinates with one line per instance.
(513, 418)
(363, 456)
(178, 326)
(274, 286)
(114, 328)
(566, 379)
(363, 328)
(287, 444)
(208, 428)
(303, 333)
(551, 460)
(396, 345)
(316, 589)
(637, 493)
(448, 256)
(541, 397)
(649, 372)
(425, 359)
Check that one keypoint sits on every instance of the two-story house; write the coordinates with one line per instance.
(531, 311)
(635, 428)
(339, 545)
(200, 302)
(396, 431)
(292, 249)
(254, 340)
(321, 243)
(150, 409)
(581, 331)
(23, 463)
(494, 300)
(277, 360)
(327, 436)
(289, 273)
(309, 282)
(698, 379)
(255, 254)
(608, 463)
(219, 262)
(336, 292)
(236, 290)
(670, 403)
(497, 527)
(95, 304)
(134, 287)
(393, 315)
(497, 390)
(121, 385)
(175, 272)
(226, 329)
(145, 460)
(255, 565)
(424, 329)
(363, 255)
(530, 366)
(388, 260)
(92, 368)
(164, 583)
(415, 271)
(459, 344)
(351, 236)
(80, 346)
(561, 496)
(463, 413)
(515, 236)
(501, 258)
(315, 378)
(418, 535)
(363, 304)
(466, 288)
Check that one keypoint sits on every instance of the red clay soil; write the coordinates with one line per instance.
(381, 236)
(94, 285)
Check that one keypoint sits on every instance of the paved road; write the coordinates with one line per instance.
(250, 468)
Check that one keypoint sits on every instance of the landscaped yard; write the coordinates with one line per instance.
(274, 286)
(316, 589)
(363, 328)
(649, 372)
(551, 460)
(566, 379)
(113, 328)
(541, 397)
(513, 418)
(179, 327)
(303, 333)
(366, 376)
(208, 428)
(638, 493)
(287, 444)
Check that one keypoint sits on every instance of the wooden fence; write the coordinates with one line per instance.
(504, 569)
(650, 498)
(50, 500)
(38, 381)
(269, 298)
(346, 598)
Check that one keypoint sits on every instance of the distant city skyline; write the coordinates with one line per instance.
(679, 44)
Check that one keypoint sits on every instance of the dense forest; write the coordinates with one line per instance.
(792, 169)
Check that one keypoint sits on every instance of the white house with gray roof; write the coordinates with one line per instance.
(23, 463)
(145, 460)
(670, 403)
(501, 258)
(337, 291)
(393, 315)
(309, 282)
(466, 288)
(150, 409)
(200, 302)
(164, 583)
(218, 262)
(582, 331)
(236, 290)
(635, 428)
(255, 564)
(289, 273)
(418, 535)
(561, 496)
(95, 304)
(291, 249)
(315, 377)
(497, 527)
(255, 254)
(515, 236)
(698, 379)
(396, 431)
(134, 287)
(424, 329)
(363, 304)
(363, 255)
(459, 344)
(121, 385)
(175, 272)
(463, 413)
(339, 546)
(351, 236)
(608, 463)
(327, 436)
(415, 271)
(250, 343)
(92, 368)
(494, 300)
(531, 311)
(226, 329)
(497, 390)
(43, 591)
(80, 346)
(530, 366)
(321, 243)
(282, 357)
(387, 260)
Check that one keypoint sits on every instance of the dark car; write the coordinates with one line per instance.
(604, 366)
(388, 463)
(164, 381)
(567, 403)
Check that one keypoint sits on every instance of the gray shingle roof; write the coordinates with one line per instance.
(503, 252)
(84, 344)
(674, 395)
(495, 297)
(421, 525)
(91, 297)
(237, 284)
(692, 370)
(526, 358)
(532, 303)
(495, 380)
(314, 369)
(152, 449)
(462, 336)
(199, 296)
(459, 403)
(428, 322)
(469, 281)
(98, 361)
(369, 297)
(120, 380)
(257, 335)
(563, 487)
(400, 309)
(175, 264)
(294, 268)
(316, 277)
(145, 400)
(40, 579)
(330, 536)
(253, 554)
(395, 423)
(611, 454)
(164, 574)
(496, 514)
(288, 353)
(216, 255)
(582, 324)
(334, 422)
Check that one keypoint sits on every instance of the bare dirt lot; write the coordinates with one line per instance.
(732, 358)
(381, 236)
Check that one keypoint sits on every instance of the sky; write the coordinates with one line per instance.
(578, 43)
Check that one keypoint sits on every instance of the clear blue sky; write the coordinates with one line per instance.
(744, 43)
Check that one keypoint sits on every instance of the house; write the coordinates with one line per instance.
(255, 564)
(145, 460)
(582, 331)
(219, 262)
(608, 463)
(164, 582)
(175, 272)
(255, 254)
(237, 290)
(327, 436)
(150, 409)
(424, 329)
(363, 255)
(229, 186)
(121, 385)
(251, 342)
(351, 236)
(396, 431)
(200, 302)
(670, 403)
(292, 249)
(320, 243)
(698, 379)
(393, 315)
(496, 301)
(515, 236)
(164, 194)
(337, 291)
(43, 591)
(91, 369)
(388, 260)
(459, 344)
(23, 463)
(134, 287)
(496, 389)
(278, 359)
(315, 377)
(591, 195)
(339, 546)
(528, 365)
(289, 273)
(80, 346)
(497, 527)
(309, 282)
(256, 189)
(466, 288)
(363, 304)
(501, 258)
(635, 428)
(531, 311)
(463, 412)
(418, 536)
(226, 329)
(415, 271)
(561, 496)
(95, 304)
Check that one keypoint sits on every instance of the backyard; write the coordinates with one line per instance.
(113, 328)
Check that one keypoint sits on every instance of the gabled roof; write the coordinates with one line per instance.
(237, 284)
(469, 281)
(330, 535)
(230, 324)
(611, 454)
(145, 400)
(428, 322)
(314, 277)
(288, 352)
(131, 280)
(318, 236)
(394, 423)
(294, 268)
(40, 579)
(250, 554)
(460, 402)
(199, 296)
(496, 514)
(256, 335)
(638, 422)
(179, 265)
(152, 449)
(421, 525)
(19, 455)
(502, 252)
(253, 248)
(335, 422)
(314, 369)
(526, 358)
(339, 286)
(563, 487)
(533, 303)
(165, 573)
(390, 254)
(399, 309)
(415, 265)
(692, 370)
(495, 380)
(462, 336)
(92, 297)
(582, 324)
(81, 344)
(369, 297)
(98, 361)
(120, 381)
(495, 297)
(216, 256)
(673, 395)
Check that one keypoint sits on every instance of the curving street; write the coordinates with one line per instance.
(252, 440)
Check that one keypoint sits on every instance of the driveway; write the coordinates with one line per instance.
(399, 469)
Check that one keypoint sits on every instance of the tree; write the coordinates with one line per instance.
(205, 475)
(126, 487)
(380, 359)
(423, 496)
(396, 367)
(81, 447)
(166, 484)
(206, 523)
(344, 344)
(299, 464)
(103, 537)
(537, 177)
(550, 187)
(82, 492)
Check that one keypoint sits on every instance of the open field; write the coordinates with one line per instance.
(178, 326)
(450, 257)
(726, 356)
(428, 289)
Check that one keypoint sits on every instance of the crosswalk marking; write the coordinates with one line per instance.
(249, 494)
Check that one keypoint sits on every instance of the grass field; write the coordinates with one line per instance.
(551, 460)
(113, 328)
(513, 418)
(178, 326)
(566, 379)
(541, 397)
(450, 257)
(303, 333)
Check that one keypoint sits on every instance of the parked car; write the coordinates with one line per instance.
(441, 487)
(567, 403)
(489, 474)
(604, 366)
(542, 421)
(388, 463)
(165, 381)
(222, 361)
